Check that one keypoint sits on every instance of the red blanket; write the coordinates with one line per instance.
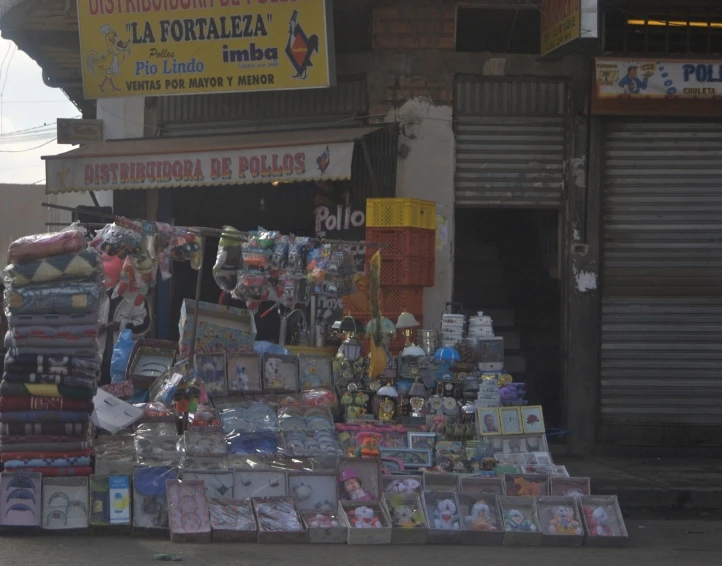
(44, 404)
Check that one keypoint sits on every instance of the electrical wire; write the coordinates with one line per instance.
(28, 149)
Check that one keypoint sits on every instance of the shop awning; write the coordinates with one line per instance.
(158, 163)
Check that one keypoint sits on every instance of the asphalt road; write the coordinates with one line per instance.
(652, 542)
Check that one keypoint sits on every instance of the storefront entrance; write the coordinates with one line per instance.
(506, 263)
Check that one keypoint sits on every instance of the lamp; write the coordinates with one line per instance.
(348, 325)
(388, 391)
(351, 349)
(447, 354)
(406, 322)
(413, 351)
(387, 327)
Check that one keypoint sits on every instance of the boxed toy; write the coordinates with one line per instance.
(442, 510)
(521, 522)
(560, 521)
(481, 519)
(317, 501)
(408, 521)
(220, 329)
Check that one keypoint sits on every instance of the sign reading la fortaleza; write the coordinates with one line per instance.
(66, 172)
(154, 47)
(651, 79)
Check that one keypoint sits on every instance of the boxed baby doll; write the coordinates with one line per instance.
(359, 493)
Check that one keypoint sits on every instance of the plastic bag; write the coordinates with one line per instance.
(121, 354)
(228, 260)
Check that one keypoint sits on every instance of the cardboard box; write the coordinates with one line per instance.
(65, 503)
(271, 513)
(109, 500)
(21, 499)
(442, 530)
(373, 514)
(560, 520)
(188, 516)
(232, 520)
(417, 529)
(317, 500)
(220, 329)
(603, 529)
(481, 519)
(526, 531)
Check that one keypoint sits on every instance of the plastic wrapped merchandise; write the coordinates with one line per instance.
(158, 450)
(70, 298)
(229, 259)
(65, 503)
(150, 502)
(188, 516)
(232, 520)
(40, 246)
(114, 455)
(204, 444)
(278, 520)
(82, 265)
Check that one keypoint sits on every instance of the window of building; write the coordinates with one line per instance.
(352, 29)
(695, 31)
(509, 30)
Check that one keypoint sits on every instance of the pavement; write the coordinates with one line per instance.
(652, 542)
(654, 483)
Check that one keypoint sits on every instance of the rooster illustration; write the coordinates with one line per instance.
(108, 64)
(324, 160)
(300, 48)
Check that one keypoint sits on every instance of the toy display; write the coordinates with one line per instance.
(516, 521)
(359, 480)
(280, 373)
(570, 487)
(526, 485)
(404, 486)
(364, 518)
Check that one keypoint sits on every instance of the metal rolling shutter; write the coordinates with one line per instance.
(510, 141)
(661, 358)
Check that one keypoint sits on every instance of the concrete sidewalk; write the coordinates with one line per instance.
(653, 483)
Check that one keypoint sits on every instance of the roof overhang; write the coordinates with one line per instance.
(159, 163)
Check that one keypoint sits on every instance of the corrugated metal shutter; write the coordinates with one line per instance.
(334, 107)
(510, 141)
(662, 275)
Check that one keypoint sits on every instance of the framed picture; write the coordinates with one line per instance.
(422, 441)
(391, 465)
(280, 373)
(212, 370)
(510, 418)
(488, 419)
(244, 374)
(533, 419)
(514, 446)
(315, 371)
(411, 458)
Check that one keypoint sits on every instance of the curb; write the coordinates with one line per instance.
(664, 498)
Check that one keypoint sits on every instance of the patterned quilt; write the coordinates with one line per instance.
(59, 268)
(70, 298)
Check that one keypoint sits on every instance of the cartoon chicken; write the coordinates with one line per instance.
(300, 48)
(108, 64)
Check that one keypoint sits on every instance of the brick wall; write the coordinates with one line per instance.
(414, 25)
(416, 29)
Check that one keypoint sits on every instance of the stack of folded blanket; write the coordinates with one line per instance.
(52, 365)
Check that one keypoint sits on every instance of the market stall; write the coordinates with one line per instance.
(372, 441)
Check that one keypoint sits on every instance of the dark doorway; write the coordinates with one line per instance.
(506, 263)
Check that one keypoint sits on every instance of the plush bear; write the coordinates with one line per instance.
(515, 522)
(321, 521)
(563, 523)
(445, 516)
(403, 516)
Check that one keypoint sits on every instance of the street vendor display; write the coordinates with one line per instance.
(256, 442)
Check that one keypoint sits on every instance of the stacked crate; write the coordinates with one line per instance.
(407, 229)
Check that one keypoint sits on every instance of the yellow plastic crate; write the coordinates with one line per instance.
(400, 212)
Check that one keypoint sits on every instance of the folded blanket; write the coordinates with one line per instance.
(62, 472)
(54, 365)
(69, 298)
(40, 246)
(58, 268)
(44, 404)
(17, 320)
(57, 332)
(80, 351)
(69, 445)
(7, 456)
(61, 343)
(8, 389)
(69, 380)
(46, 462)
(44, 417)
(32, 429)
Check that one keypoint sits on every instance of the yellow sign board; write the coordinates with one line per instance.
(161, 47)
(561, 22)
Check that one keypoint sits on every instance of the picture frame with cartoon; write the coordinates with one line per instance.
(244, 374)
(422, 441)
(411, 458)
(315, 371)
(212, 370)
(280, 373)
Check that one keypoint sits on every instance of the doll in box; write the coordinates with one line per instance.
(364, 518)
(598, 522)
(352, 490)
(515, 522)
(481, 518)
(563, 522)
(445, 516)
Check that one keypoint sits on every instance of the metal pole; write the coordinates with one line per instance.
(197, 306)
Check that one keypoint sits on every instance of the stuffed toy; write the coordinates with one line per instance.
(364, 518)
(350, 483)
(563, 522)
(515, 522)
(445, 516)
(321, 521)
(480, 518)
(404, 486)
(302, 491)
(598, 522)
